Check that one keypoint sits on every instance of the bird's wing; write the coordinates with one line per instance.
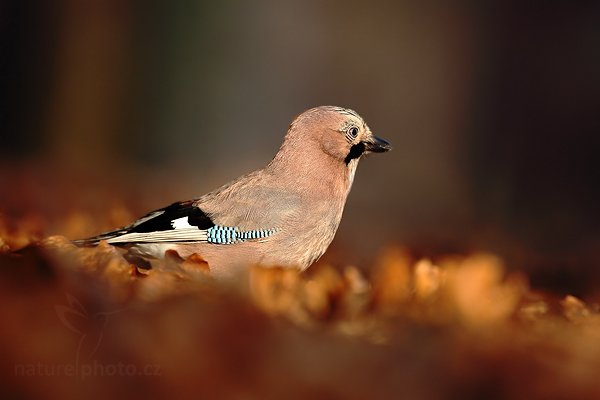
(179, 222)
(253, 202)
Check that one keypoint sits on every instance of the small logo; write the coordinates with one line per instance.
(89, 327)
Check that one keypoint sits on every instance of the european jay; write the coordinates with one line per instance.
(285, 214)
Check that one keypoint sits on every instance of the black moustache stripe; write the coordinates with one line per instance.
(355, 151)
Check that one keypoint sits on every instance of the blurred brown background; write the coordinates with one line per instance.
(492, 109)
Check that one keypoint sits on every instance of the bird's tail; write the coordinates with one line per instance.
(94, 240)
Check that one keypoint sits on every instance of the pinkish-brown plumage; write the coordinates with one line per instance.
(297, 202)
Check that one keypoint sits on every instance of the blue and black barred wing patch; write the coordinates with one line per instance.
(228, 235)
(177, 223)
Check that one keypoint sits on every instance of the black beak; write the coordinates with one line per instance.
(377, 145)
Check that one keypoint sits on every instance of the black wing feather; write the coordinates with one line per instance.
(162, 221)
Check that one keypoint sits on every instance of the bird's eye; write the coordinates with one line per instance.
(353, 132)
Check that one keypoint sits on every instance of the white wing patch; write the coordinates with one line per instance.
(182, 223)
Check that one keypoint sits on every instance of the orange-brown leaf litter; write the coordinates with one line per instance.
(85, 323)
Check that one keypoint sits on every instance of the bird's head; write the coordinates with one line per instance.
(338, 132)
